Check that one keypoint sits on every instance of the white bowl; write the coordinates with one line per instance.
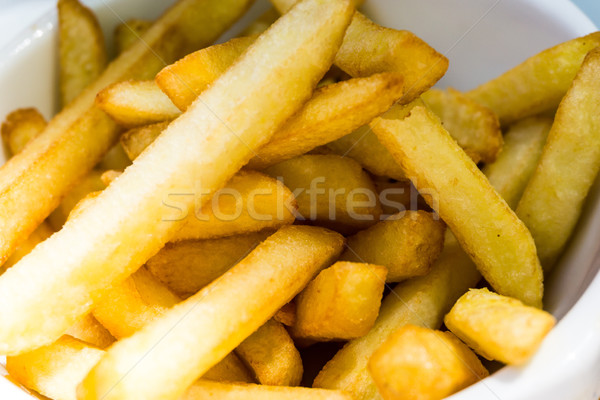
(482, 38)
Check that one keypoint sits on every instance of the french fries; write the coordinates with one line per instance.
(42, 232)
(422, 301)
(81, 133)
(286, 314)
(20, 126)
(475, 127)
(135, 140)
(504, 250)
(331, 191)
(523, 144)
(553, 198)
(538, 84)
(369, 48)
(82, 55)
(129, 32)
(342, 302)
(406, 244)
(89, 330)
(263, 282)
(125, 234)
(421, 363)
(498, 327)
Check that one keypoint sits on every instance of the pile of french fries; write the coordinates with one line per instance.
(188, 230)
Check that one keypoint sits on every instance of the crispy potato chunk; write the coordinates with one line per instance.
(342, 302)
(129, 32)
(20, 126)
(271, 354)
(499, 327)
(553, 198)
(406, 244)
(91, 331)
(82, 55)
(421, 301)
(264, 281)
(330, 190)
(475, 127)
(187, 266)
(421, 363)
(486, 227)
(523, 144)
(135, 103)
(538, 84)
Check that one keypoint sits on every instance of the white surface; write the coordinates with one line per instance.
(482, 38)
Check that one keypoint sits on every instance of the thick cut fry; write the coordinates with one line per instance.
(406, 244)
(523, 144)
(82, 55)
(421, 363)
(486, 227)
(188, 265)
(369, 48)
(33, 182)
(286, 314)
(89, 330)
(538, 84)
(139, 212)
(553, 198)
(272, 356)
(135, 103)
(330, 190)
(422, 301)
(229, 369)
(43, 232)
(499, 327)
(136, 140)
(474, 126)
(55, 370)
(20, 126)
(204, 390)
(341, 303)
(261, 283)
(129, 32)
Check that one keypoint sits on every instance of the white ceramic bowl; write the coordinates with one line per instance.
(481, 38)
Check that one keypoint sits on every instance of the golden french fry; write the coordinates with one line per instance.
(110, 175)
(538, 84)
(342, 302)
(129, 32)
(115, 158)
(262, 23)
(523, 144)
(406, 244)
(20, 126)
(89, 330)
(553, 198)
(271, 355)
(421, 301)
(286, 314)
(135, 140)
(187, 266)
(263, 282)
(330, 190)
(32, 183)
(229, 369)
(421, 363)
(135, 103)
(42, 232)
(204, 390)
(486, 227)
(475, 127)
(499, 327)
(124, 234)
(82, 55)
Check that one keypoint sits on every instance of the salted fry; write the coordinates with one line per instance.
(136, 140)
(369, 48)
(538, 84)
(499, 327)
(129, 32)
(81, 133)
(263, 282)
(20, 126)
(124, 234)
(82, 55)
(341, 303)
(503, 250)
(187, 266)
(331, 191)
(421, 363)
(523, 144)
(475, 127)
(553, 198)
(422, 301)
(272, 356)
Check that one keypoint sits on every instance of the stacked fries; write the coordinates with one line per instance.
(219, 214)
